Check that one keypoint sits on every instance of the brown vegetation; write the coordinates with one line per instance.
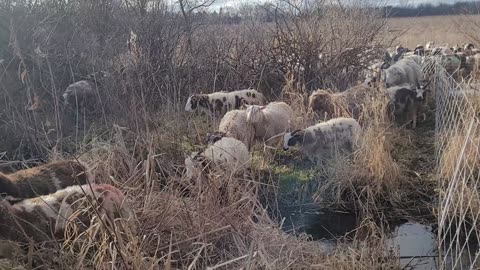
(451, 30)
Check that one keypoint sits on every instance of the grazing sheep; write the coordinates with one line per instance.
(234, 124)
(319, 142)
(406, 103)
(349, 102)
(219, 103)
(82, 93)
(46, 217)
(403, 71)
(228, 153)
(44, 179)
(270, 120)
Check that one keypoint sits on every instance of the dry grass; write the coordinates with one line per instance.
(442, 30)
(461, 155)
(221, 228)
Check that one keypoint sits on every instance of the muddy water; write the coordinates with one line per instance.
(414, 243)
(321, 224)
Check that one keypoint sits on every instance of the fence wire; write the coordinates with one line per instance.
(457, 145)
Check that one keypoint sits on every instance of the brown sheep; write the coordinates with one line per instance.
(47, 217)
(348, 103)
(44, 179)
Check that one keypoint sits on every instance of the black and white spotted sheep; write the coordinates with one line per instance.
(319, 142)
(219, 103)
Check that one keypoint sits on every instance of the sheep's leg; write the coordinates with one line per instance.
(414, 117)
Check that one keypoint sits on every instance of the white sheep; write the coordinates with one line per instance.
(319, 142)
(234, 124)
(270, 120)
(227, 153)
(44, 179)
(42, 217)
(219, 103)
(403, 71)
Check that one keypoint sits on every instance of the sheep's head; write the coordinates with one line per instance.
(469, 46)
(254, 113)
(422, 91)
(215, 137)
(387, 60)
(400, 49)
(192, 163)
(196, 100)
(430, 45)
(292, 138)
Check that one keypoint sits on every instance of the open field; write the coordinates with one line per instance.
(283, 211)
(451, 30)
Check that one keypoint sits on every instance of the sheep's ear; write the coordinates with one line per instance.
(293, 133)
(262, 108)
(387, 57)
(385, 65)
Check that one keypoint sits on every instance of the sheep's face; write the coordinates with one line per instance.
(195, 101)
(192, 164)
(192, 103)
(389, 77)
(422, 92)
(419, 50)
(254, 113)
(292, 138)
(215, 137)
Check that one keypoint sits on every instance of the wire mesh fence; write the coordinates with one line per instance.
(458, 165)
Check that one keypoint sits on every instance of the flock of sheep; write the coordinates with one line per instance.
(403, 76)
(38, 203)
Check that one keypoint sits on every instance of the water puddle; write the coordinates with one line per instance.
(416, 246)
(414, 243)
(321, 224)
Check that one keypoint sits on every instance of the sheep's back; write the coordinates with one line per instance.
(234, 124)
(78, 91)
(48, 178)
(338, 130)
(228, 151)
(279, 117)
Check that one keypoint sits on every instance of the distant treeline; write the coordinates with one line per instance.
(432, 10)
